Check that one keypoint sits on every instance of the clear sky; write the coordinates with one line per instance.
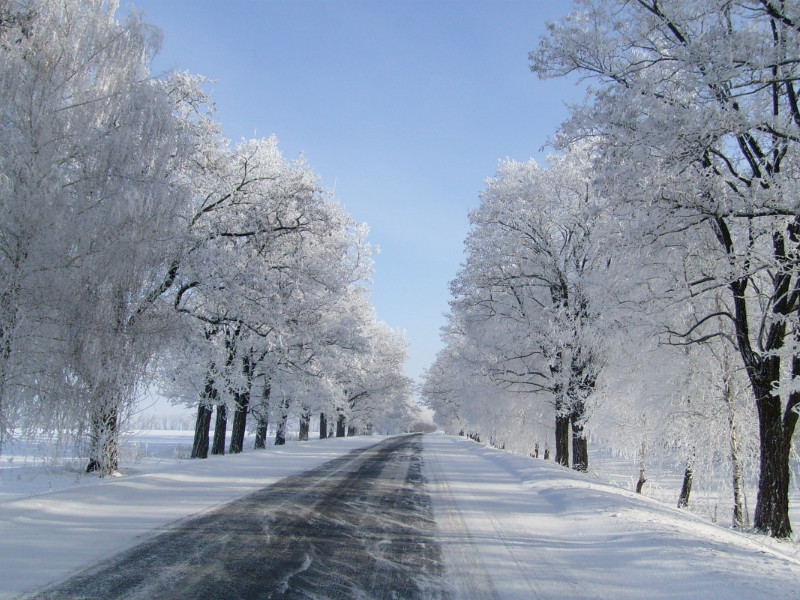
(403, 108)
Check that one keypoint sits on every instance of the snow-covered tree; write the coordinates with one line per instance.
(134, 237)
(523, 297)
(277, 260)
(92, 202)
(373, 380)
(695, 117)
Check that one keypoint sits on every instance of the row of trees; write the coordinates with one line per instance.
(647, 284)
(520, 316)
(137, 246)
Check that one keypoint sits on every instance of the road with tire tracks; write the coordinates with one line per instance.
(360, 526)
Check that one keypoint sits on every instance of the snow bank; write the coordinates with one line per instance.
(543, 531)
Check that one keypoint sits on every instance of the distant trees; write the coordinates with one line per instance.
(372, 379)
(522, 312)
(135, 241)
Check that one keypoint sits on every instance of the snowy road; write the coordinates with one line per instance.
(359, 526)
(539, 531)
(409, 517)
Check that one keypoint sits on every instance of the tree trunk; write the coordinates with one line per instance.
(220, 425)
(688, 478)
(305, 425)
(351, 431)
(340, 425)
(204, 409)
(741, 519)
(772, 506)
(580, 386)
(104, 454)
(239, 423)
(5, 354)
(280, 431)
(201, 430)
(580, 445)
(536, 450)
(546, 453)
(242, 402)
(580, 451)
(261, 434)
(562, 439)
(642, 478)
(323, 426)
(764, 372)
(262, 418)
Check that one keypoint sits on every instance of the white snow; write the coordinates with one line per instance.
(47, 536)
(543, 531)
(511, 526)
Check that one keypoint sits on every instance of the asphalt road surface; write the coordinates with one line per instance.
(360, 526)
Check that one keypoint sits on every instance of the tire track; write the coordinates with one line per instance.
(467, 574)
(358, 526)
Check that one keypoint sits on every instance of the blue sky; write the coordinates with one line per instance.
(402, 108)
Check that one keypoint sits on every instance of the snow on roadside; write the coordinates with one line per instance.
(536, 529)
(542, 531)
(47, 536)
(33, 466)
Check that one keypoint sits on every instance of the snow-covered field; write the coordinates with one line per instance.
(711, 496)
(536, 530)
(29, 467)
